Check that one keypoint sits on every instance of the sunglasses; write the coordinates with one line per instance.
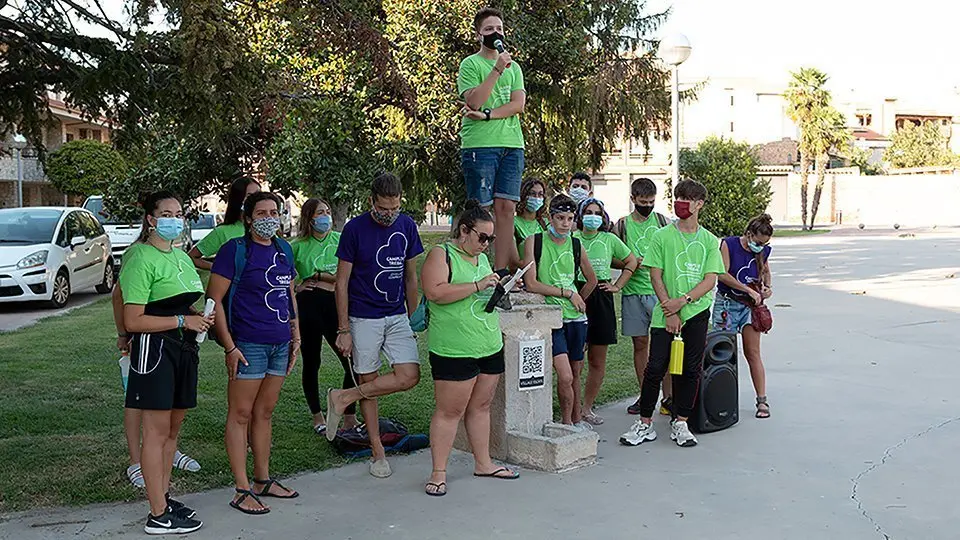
(484, 238)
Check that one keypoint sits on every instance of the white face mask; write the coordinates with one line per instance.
(578, 194)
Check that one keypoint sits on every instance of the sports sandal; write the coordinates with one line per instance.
(268, 483)
(244, 493)
(763, 410)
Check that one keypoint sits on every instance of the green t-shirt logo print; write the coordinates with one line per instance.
(690, 261)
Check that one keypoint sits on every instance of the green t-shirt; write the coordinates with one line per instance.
(209, 245)
(556, 269)
(499, 133)
(312, 256)
(685, 260)
(638, 237)
(522, 228)
(602, 247)
(148, 275)
(463, 329)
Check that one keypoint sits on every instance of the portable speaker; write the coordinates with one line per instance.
(718, 405)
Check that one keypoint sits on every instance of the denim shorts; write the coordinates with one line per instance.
(492, 173)
(730, 315)
(570, 340)
(263, 359)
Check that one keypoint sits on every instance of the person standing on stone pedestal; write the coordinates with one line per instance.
(638, 299)
(557, 258)
(603, 247)
(466, 345)
(491, 85)
(376, 292)
(684, 262)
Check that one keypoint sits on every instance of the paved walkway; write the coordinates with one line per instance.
(862, 368)
(14, 316)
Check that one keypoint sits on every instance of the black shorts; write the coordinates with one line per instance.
(163, 372)
(601, 318)
(446, 368)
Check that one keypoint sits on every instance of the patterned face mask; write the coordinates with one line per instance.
(266, 227)
(384, 218)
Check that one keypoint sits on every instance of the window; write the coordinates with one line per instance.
(95, 135)
(91, 227)
(865, 120)
(84, 133)
(69, 137)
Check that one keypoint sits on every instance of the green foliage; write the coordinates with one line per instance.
(728, 170)
(84, 167)
(860, 157)
(924, 146)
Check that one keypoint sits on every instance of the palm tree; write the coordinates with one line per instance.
(806, 98)
(827, 132)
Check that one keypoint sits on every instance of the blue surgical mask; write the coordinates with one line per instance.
(169, 228)
(592, 222)
(322, 224)
(555, 234)
(534, 203)
(755, 247)
(578, 194)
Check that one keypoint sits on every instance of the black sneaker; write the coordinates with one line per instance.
(171, 523)
(179, 508)
(635, 408)
(666, 406)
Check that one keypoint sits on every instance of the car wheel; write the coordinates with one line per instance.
(108, 274)
(61, 290)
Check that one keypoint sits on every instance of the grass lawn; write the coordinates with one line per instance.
(61, 432)
(781, 233)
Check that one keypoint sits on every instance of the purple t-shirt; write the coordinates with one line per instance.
(261, 308)
(378, 255)
(743, 265)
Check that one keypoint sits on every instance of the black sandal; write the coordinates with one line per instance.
(265, 492)
(437, 486)
(244, 493)
(763, 409)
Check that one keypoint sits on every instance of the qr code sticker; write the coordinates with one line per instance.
(532, 354)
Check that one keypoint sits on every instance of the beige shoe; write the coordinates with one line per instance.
(380, 468)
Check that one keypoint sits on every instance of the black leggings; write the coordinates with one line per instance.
(686, 386)
(318, 321)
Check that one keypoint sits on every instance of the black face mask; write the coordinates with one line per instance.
(643, 210)
(490, 40)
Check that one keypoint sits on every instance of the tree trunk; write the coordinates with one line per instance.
(804, 174)
(821, 176)
(339, 212)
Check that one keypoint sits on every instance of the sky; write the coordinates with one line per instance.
(879, 48)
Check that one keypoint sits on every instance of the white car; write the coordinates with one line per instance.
(201, 226)
(122, 234)
(48, 252)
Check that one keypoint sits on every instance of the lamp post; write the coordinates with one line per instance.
(18, 144)
(675, 50)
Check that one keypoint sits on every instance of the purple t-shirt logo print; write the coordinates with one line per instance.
(277, 299)
(389, 280)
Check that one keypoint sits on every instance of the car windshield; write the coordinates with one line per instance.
(204, 221)
(95, 206)
(26, 226)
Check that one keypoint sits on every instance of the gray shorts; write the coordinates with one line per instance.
(391, 335)
(636, 310)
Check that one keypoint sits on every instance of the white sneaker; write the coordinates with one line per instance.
(380, 468)
(680, 433)
(639, 433)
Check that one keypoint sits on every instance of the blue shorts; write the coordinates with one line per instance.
(730, 315)
(492, 173)
(263, 359)
(570, 340)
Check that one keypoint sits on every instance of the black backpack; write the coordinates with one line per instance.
(621, 227)
(353, 441)
(538, 250)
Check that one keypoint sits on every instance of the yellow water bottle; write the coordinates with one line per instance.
(676, 355)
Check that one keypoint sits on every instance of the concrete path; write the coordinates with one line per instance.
(863, 370)
(14, 316)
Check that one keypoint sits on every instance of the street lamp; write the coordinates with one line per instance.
(18, 144)
(675, 50)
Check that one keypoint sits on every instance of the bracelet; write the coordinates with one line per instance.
(180, 321)
(231, 350)
(627, 270)
(500, 71)
(341, 331)
(477, 285)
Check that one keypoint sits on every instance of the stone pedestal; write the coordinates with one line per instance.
(522, 431)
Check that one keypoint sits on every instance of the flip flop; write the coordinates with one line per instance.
(247, 493)
(333, 418)
(265, 492)
(496, 474)
(437, 492)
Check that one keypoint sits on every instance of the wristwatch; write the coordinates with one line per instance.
(487, 112)
(688, 298)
